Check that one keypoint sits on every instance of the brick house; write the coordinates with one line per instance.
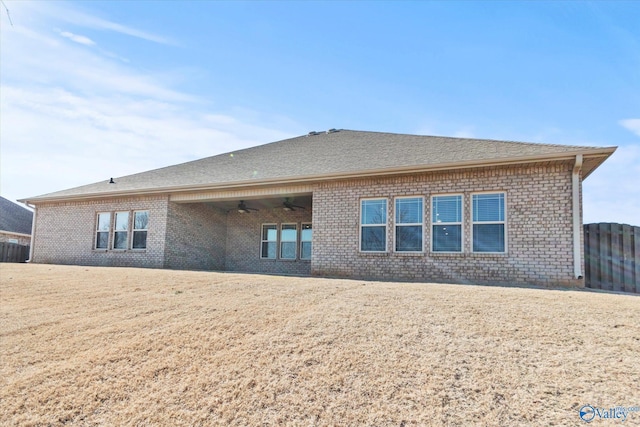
(339, 203)
(15, 223)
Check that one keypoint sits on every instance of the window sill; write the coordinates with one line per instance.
(373, 254)
(448, 254)
(489, 254)
(119, 250)
(409, 254)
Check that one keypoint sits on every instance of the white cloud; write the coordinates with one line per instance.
(70, 14)
(97, 23)
(631, 124)
(79, 139)
(77, 38)
(70, 66)
(72, 116)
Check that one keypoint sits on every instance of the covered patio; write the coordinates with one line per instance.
(260, 233)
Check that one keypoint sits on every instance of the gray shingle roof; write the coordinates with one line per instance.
(14, 218)
(327, 154)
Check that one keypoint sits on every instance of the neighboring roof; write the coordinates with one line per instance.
(14, 218)
(329, 155)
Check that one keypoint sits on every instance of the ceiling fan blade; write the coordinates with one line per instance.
(242, 207)
(290, 206)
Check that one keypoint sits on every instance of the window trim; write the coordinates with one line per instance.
(97, 230)
(114, 230)
(386, 225)
(295, 242)
(461, 223)
(134, 229)
(503, 222)
(396, 224)
(268, 241)
(111, 232)
(302, 224)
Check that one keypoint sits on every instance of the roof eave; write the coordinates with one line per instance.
(14, 233)
(603, 152)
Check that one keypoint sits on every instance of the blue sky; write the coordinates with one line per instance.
(91, 90)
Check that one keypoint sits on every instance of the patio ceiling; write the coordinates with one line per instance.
(265, 203)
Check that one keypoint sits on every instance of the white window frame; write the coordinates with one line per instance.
(396, 224)
(503, 222)
(281, 241)
(115, 230)
(302, 225)
(97, 230)
(134, 229)
(460, 223)
(385, 225)
(262, 241)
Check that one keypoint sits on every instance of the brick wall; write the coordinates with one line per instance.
(196, 236)
(66, 232)
(244, 237)
(539, 227)
(199, 236)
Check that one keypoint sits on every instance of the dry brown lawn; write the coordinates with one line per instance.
(122, 346)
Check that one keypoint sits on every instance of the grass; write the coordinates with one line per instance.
(120, 346)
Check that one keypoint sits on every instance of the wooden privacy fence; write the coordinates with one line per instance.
(13, 252)
(612, 257)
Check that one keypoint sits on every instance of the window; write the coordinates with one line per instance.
(306, 237)
(103, 225)
(269, 243)
(488, 222)
(373, 225)
(288, 241)
(446, 223)
(121, 230)
(140, 227)
(409, 224)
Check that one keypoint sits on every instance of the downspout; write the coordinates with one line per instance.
(577, 226)
(33, 231)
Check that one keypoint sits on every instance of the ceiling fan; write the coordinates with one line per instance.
(288, 206)
(243, 208)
